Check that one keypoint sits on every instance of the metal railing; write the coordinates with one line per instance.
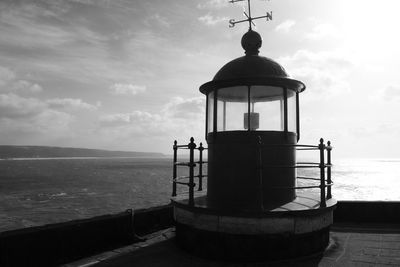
(325, 179)
(191, 164)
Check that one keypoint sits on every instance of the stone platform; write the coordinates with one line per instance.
(351, 245)
(295, 229)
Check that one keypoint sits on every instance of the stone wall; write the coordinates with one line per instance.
(54, 244)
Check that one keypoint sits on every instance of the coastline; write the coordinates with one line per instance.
(105, 157)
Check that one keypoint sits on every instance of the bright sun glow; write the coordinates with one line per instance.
(370, 26)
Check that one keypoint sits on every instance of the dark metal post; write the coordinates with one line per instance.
(285, 111)
(322, 170)
(175, 147)
(224, 116)
(207, 99)
(215, 110)
(248, 109)
(297, 116)
(201, 148)
(191, 147)
(260, 172)
(328, 171)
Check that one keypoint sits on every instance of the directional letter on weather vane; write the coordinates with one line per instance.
(232, 22)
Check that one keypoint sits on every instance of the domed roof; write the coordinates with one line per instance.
(252, 69)
(250, 66)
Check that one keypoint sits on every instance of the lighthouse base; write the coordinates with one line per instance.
(294, 230)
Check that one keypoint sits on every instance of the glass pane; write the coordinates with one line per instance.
(220, 115)
(234, 116)
(232, 105)
(266, 108)
(291, 111)
(210, 112)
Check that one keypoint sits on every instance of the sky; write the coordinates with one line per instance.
(124, 75)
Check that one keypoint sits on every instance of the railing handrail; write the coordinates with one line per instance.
(301, 187)
(325, 182)
(298, 166)
(191, 164)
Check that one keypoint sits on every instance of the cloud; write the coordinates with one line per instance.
(161, 20)
(115, 119)
(70, 104)
(127, 89)
(28, 120)
(26, 29)
(322, 31)
(38, 36)
(13, 106)
(178, 119)
(93, 2)
(6, 75)
(176, 109)
(21, 119)
(392, 92)
(44, 127)
(285, 26)
(388, 93)
(189, 108)
(336, 60)
(210, 20)
(136, 124)
(212, 4)
(9, 83)
(25, 86)
(129, 118)
(51, 122)
(324, 72)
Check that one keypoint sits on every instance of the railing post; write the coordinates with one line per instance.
(201, 148)
(175, 148)
(260, 174)
(321, 147)
(191, 147)
(328, 170)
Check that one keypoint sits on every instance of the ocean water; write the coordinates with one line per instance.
(37, 192)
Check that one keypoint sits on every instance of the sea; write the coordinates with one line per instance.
(41, 191)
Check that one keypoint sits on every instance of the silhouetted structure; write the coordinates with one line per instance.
(252, 209)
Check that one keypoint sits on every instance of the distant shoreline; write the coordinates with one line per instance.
(105, 157)
(46, 152)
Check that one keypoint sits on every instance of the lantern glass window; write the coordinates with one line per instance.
(291, 95)
(232, 104)
(267, 105)
(210, 112)
(254, 108)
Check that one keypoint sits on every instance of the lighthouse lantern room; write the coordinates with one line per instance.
(253, 208)
(251, 102)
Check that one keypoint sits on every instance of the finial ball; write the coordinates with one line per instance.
(251, 42)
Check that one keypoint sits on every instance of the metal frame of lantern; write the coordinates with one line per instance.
(284, 83)
(249, 91)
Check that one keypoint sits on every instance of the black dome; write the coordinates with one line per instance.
(250, 66)
(252, 69)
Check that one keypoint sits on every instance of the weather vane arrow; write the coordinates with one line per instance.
(249, 19)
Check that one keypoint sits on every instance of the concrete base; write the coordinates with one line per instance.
(281, 233)
(246, 248)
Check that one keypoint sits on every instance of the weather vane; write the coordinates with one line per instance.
(232, 22)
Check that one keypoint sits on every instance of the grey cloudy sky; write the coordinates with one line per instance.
(125, 74)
